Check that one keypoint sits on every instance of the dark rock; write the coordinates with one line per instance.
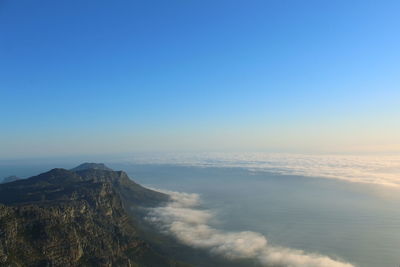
(76, 218)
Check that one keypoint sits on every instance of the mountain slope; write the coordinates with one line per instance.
(10, 179)
(75, 218)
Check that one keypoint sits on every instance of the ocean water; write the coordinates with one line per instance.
(352, 217)
(352, 222)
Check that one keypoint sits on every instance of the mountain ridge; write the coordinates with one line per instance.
(91, 165)
(75, 218)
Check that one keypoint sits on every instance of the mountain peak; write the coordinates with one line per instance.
(93, 166)
(71, 218)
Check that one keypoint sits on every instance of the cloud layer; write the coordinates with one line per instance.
(184, 219)
(382, 170)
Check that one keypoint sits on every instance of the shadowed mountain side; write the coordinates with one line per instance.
(131, 192)
(62, 218)
(61, 184)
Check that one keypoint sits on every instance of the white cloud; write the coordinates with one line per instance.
(188, 223)
(383, 170)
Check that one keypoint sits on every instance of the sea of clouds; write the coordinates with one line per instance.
(378, 169)
(184, 218)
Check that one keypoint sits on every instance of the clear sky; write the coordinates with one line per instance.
(98, 77)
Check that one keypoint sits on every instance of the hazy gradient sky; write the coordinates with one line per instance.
(82, 77)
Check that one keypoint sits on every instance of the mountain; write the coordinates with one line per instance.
(10, 179)
(89, 166)
(76, 218)
(88, 216)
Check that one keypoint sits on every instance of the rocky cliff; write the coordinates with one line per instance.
(76, 217)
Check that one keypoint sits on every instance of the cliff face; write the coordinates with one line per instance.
(75, 218)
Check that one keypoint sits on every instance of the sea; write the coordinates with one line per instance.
(310, 211)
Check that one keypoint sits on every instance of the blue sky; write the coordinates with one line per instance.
(98, 77)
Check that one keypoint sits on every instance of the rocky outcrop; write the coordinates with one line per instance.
(76, 218)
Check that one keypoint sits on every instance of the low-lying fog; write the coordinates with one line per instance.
(293, 220)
